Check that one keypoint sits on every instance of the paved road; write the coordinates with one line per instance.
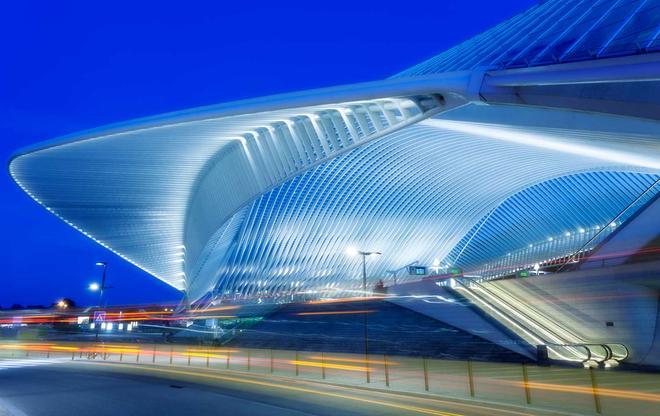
(47, 387)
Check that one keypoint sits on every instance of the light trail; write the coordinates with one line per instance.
(352, 360)
(361, 311)
(216, 309)
(345, 300)
(230, 350)
(328, 365)
(409, 408)
(619, 394)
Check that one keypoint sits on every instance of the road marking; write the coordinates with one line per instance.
(7, 364)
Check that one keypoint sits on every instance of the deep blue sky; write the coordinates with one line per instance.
(68, 66)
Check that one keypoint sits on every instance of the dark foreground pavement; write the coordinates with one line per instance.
(99, 389)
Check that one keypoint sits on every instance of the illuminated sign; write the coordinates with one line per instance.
(417, 270)
(455, 271)
(99, 316)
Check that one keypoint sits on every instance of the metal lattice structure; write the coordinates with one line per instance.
(555, 31)
(262, 197)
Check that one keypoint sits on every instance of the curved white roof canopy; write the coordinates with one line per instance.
(500, 140)
(141, 189)
(408, 175)
(413, 195)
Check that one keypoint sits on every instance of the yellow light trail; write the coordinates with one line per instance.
(353, 360)
(204, 355)
(63, 348)
(620, 394)
(213, 350)
(328, 365)
(393, 405)
(115, 350)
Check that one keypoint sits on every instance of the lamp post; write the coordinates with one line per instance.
(101, 288)
(352, 251)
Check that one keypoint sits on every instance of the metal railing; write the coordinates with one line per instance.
(572, 390)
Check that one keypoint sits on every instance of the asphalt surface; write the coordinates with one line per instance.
(40, 387)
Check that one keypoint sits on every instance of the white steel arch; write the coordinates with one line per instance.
(264, 194)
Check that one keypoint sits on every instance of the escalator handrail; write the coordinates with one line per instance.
(517, 321)
(614, 355)
(609, 352)
(540, 325)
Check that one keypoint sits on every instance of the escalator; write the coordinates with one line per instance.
(536, 328)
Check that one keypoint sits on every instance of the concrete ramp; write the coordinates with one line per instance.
(442, 304)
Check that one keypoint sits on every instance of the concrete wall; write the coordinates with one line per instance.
(584, 301)
(439, 303)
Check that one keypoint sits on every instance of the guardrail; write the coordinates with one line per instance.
(573, 390)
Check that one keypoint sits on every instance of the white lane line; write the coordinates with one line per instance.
(7, 364)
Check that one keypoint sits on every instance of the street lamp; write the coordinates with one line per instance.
(95, 286)
(101, 288)
(352, 251)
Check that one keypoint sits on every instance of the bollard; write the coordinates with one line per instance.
(228, 353)
(528, 395)
(594, 388)
(137, 356)
(366, 359)
(121, 356)
(272, 367)
(426, 373)
(188, 357)
(322, 366)
(208, 358)
(297, 370)
(387, 371)
(171, 353)
(73, 356)
(470, 378)
(153, 356)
